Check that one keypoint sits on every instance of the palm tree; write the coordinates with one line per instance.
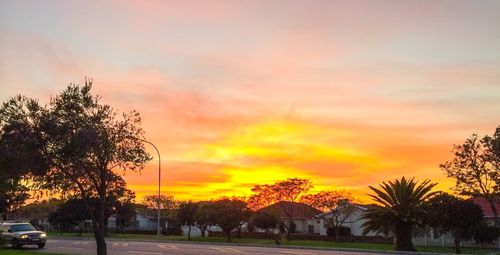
(399, 208)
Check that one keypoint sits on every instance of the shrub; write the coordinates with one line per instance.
(264, 220)
(486, 234)
(343, 231)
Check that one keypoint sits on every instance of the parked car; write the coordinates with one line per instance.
(19, 234)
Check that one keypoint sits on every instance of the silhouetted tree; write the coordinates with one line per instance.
(264, 220)
(399, 208)
(484, 233)
(263, 195)
(229, 214)
(455, 215)
(80, 143)
(37, 212)
(205, 217)
(70, 213)
(476, 168)
(186, 215)
(20, 156)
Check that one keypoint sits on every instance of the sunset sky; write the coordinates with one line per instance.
(238, 93)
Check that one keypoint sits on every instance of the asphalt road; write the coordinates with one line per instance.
(87, 247)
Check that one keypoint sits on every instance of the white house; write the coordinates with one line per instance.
(354, 221)
(301, 214)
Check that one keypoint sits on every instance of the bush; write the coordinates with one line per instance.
(486, 234)
(264, 220)
(343, 231)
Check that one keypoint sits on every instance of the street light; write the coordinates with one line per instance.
(159, 182)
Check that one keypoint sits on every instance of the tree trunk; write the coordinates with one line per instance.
(189, 233)
(228, 236)
(337, 234)
(457, 244)
(99, 227)
(203, 230)
(239, 232)
(403, 237)
(289, 230)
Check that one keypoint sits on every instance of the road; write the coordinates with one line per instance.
(71, 246)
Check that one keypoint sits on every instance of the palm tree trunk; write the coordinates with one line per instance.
(403, 237)
(456, 241)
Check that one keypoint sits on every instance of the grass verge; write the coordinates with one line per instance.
(6, 251)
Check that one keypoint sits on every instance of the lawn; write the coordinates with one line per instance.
(305, 243)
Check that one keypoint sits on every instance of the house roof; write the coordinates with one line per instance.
(282, 209)
(355, 205)
(485, 205)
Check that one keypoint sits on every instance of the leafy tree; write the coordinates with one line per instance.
(399, 208)
(228, 214)
(186, 215)
(476, 168)
(289, 190)
(483, 233)
(80, 144)
(124, 213)
(204, 216)
(19, 154)
(264, 220)
(70, 213)
(337, 208)
(263, 195)
(455, 215)
(168, 205)
(37, 212)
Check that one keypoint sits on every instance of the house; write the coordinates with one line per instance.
(301, 214)
(354, 221)
(489, 216)
(143, 220)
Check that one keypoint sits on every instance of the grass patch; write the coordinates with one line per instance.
(6, 251)
(305, 243)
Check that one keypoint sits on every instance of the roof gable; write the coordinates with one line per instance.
(485, 205)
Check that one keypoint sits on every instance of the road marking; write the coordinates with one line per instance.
(81, 242)
(71, 248)
(145, 252)
(226, 250)
(166, 246)
(298, 252)
(120, 244)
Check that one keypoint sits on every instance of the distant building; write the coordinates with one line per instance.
(354, 221)
(489, 217)
(301, 214)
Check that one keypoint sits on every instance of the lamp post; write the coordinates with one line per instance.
(158, 203)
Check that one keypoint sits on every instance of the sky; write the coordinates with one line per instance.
(237, 93)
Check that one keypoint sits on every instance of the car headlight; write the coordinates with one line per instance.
(24, 236)
(43, 235)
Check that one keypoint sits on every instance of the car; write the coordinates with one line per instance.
(19, 234)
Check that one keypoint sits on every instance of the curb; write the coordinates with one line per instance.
(263, 246)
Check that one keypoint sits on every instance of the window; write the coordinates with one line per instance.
(22, 227)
